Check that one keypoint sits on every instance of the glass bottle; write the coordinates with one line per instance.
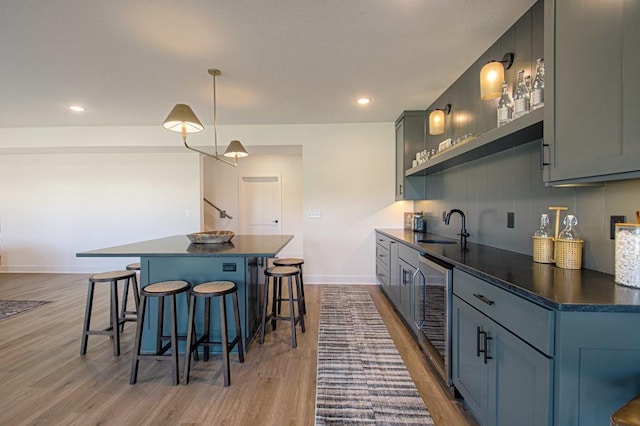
(543, 231)
(537, 89)
(520, 97)
(505, 106)
(570, 231)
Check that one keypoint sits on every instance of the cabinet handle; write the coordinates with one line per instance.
(484, 299)
(542, 156)
(486, 347)
(400, 189)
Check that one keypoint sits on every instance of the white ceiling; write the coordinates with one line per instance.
(282, 61)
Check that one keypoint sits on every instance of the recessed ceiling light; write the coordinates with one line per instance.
(363, 101)
(77, 108)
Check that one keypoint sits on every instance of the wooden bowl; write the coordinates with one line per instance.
(211, 237)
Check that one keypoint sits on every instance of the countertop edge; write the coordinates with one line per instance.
(511, 286)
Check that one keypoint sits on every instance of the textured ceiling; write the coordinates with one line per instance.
(282, 61)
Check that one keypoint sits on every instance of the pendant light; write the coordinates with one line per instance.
(182, 119)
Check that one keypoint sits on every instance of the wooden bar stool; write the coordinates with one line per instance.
(274, 276)
(115, 320)
(160, 290)
(297, 262)
(207, 291)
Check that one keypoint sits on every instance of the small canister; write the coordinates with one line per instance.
(627, 255)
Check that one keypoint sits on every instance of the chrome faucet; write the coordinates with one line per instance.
(463, 232)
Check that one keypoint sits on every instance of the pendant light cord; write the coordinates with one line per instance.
(215, 132)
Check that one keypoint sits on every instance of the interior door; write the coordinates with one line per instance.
(260, 205)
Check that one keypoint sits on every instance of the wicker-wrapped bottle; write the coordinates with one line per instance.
(568, 245)
(543, 242)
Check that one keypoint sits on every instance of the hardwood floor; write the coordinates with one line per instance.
(45, 380)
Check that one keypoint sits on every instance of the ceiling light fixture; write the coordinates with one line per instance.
(492, 76)
(363, 101)
(183, 120)
(77, 108)
(436, 119)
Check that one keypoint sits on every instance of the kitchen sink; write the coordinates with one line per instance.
(437, 242)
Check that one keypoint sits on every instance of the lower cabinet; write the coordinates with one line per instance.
(504, 381)
(407, 272)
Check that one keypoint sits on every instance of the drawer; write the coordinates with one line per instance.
(382, 255)
(382, 273)
(383, 241)
(409, 255)
(527, 320)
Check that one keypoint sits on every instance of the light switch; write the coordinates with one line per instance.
(313, 214)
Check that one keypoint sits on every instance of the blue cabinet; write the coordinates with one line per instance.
(503, 378)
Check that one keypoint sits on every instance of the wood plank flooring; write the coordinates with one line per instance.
(44, 380)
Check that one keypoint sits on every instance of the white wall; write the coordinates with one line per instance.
(221, 187)
(348, 174)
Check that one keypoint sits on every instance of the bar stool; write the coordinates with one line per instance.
(160, 290)
(292, 261)
(208, 291)
(125, 295)
(628, 414)
(274, 276)
(115, 319)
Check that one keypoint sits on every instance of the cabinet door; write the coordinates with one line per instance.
(503, 380)
(410, 139)
(520, 379)
(470, 374)
(593, 69)
(406, 291)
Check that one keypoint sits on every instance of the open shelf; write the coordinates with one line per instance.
(522, 130)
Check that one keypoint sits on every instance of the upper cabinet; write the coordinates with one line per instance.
(592, 113)
(471, 116)
(410, 138)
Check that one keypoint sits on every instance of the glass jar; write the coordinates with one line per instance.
(505, 106)
(537, 90)
(543, 231)
(570, 231)
(627, 254)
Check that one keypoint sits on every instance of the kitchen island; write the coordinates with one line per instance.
(242, 260)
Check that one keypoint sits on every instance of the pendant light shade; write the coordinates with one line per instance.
(182, 116)
(436, 120)
(182, 119)
(491, 78)
(235, 149)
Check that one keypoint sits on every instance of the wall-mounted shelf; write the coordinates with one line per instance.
(522, 130)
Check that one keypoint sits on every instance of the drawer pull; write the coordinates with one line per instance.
(484, 299)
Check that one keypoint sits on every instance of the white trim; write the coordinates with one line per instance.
(340, 279)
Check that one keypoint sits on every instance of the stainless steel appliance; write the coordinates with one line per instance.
(418, 222)
(432, 312)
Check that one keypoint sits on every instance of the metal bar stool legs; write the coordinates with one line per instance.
(274, 277)
(159, 290)
(124, 313)
(116, 320)
(207, 291)
(292, 261)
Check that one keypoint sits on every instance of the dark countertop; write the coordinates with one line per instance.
(548, 285)
(179, 245)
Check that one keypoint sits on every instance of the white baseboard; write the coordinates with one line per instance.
(339, 279)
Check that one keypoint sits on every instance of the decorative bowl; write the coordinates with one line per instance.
(211, 237)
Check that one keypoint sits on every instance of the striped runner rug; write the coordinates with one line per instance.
(361, 377)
